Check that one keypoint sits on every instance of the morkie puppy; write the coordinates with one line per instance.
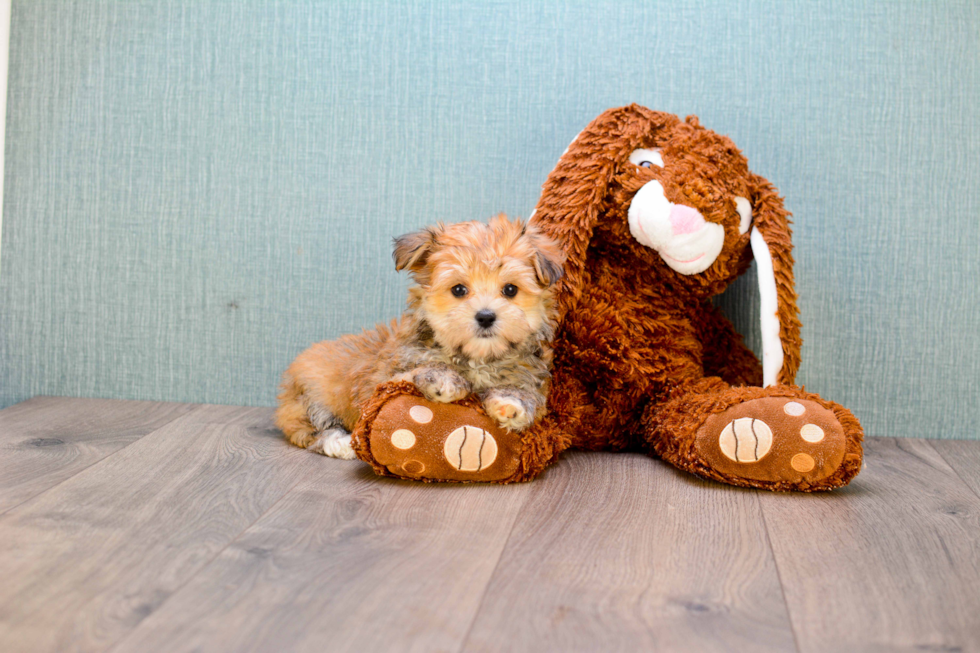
(480, 319)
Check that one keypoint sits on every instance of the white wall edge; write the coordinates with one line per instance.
(4, 60)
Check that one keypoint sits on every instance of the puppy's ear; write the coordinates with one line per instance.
(547, 269)
(548, 258)
(413, 249)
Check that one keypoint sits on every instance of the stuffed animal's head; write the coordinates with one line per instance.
(677, 202)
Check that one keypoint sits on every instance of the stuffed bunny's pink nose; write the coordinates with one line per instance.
(685, 220)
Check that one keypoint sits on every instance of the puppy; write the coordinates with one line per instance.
(480, 319)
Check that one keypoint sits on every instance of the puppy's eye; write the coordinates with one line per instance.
(459, 290)
(510, 290)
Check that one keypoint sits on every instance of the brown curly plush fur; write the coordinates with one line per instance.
(642, 358)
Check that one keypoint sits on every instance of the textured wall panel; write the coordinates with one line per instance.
(195, 191)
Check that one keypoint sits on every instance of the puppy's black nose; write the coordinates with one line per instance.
(486, 318)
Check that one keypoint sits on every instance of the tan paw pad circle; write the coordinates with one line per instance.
(470, 449)
(421, 414)
(794, 409)
(403, 439)
(811, 433)
(413, 467)
(746, 440)
(802, 462)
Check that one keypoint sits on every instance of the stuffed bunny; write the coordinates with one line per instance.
(656, 216)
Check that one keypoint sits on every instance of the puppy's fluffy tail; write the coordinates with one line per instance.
(292, 415)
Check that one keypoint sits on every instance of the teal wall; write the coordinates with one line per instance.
(197, 190)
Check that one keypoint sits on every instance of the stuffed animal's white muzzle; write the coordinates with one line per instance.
(686, 242)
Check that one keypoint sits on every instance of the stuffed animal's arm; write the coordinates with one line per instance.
(724, 352)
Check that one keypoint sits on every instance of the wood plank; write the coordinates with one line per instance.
(85, 562)
(964, 457)
(45, 440)
(348, 561)
(617, 552)
(891, 562)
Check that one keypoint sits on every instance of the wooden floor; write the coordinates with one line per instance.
(136, 526)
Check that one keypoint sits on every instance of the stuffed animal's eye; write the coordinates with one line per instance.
(510, 290)
(647, 158)
(459, 290)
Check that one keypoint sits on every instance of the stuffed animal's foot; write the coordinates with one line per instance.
(774, 438)
(412, 437)
(781, 440)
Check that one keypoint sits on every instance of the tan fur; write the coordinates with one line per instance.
(437, 342)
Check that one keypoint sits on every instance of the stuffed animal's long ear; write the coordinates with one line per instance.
(772, 247)
(572, 195)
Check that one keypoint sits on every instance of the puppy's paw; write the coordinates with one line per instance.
(441, 384)
(507, 411)
(334, 443)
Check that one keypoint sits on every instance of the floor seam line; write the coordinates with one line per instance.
(779, 575)
(500, 556)
(954, 470)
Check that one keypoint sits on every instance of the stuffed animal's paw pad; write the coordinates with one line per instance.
(746, 440)
(470, 449)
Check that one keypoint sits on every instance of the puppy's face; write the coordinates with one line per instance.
(484, 289)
